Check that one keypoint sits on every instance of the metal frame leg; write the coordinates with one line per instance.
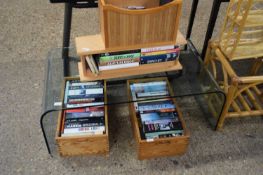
(211, 24)
(66, 37)
(191, 20)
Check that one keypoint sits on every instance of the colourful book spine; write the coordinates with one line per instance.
(118, 66)
(158, 58)
(118, 57)
(119, 53)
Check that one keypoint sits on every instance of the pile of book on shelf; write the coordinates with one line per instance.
(87, 116)
(156, 112)
(131, 58)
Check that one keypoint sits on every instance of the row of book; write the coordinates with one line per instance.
(88, 114)
(131, 58)
(156, 112)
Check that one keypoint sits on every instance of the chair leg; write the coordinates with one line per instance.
(229, 98)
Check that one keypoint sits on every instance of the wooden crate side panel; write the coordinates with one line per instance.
(83, 146)
(136, 29)
(162, 148)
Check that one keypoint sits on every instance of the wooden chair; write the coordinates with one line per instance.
(241, 40)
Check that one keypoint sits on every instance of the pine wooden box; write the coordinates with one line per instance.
(161, 147)
(153, 25)
(83, 145)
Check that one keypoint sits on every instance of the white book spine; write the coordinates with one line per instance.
(90, 65)
(84, 129)
(94, 65)
(83, 133)
(87, 91)
(84, 83)
(84, 104)
(154, 49)
(118, 66)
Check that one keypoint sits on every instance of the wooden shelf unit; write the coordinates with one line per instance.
(94, 44)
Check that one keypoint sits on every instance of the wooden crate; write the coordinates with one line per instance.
(82, 145)
(161, 147)
(123, 27)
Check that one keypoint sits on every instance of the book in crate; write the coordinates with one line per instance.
(88, 120)
(157, 122)
(131, 58)
(158, 118)
(83, 128)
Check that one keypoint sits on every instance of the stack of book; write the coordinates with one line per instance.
(113, 60)
(159, 54)
(131, 58)
(88, 118)
(155, 110)
(78, 94)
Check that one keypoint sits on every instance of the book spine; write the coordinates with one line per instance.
(150, 94)
(152, 134)
(121, 61)
(177, 50)
(91, 83)
(95, 67)
(85, 87)
(84, 129)
(84, 96)
(90, 65)
(119, 57)
(81, 124)
(158, 58)
(82, 134)
(85, 100)
(85, 119)
(84, 105)
(66, 93)
(85, 91)
(85, 114)
(119, 66)
(154, 49)
(120, 53)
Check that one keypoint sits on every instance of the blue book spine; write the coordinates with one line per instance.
(158, 58)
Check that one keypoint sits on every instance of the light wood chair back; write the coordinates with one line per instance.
(242, 32)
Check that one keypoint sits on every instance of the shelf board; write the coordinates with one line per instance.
(94, 44)
(87, 75)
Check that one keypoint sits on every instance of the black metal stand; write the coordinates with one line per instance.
(66, 37)
(191, 20)
(67, 28)
(211, 24)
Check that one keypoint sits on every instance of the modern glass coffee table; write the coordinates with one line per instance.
(194, 85)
